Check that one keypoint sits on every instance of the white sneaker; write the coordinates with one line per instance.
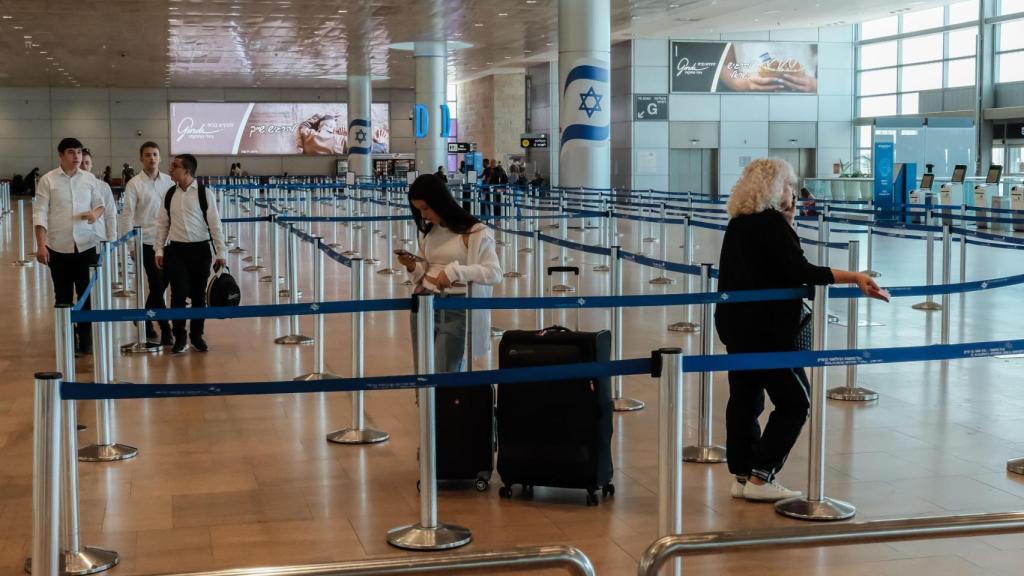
(769, 492)
(737, 488)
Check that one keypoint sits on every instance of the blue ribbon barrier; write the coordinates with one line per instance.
(336, 256)
(286, 219)
(632, 301)
(84, 296)
(660, 264)
(836, 245)
(128, 236)
(254, 311)
(246, 219)
(994, 245)
(935, 290)
(575, 245)
(989, 236)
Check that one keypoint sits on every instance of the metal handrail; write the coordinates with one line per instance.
(517, 559)
(663, 549)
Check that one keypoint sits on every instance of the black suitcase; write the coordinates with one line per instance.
(556, 433)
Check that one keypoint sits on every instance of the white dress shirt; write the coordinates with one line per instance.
(143, 198)
(60, 201)
(185, 223)
(106, 225)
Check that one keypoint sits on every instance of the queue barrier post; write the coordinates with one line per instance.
(608, 240)
(335, 207)
(706, 451)
(319, 335)
(514, 272)
(663, 279)
(816, 506)
(871, 250)
(254, 257)
(22, 261)
(929, 305)
(294, 336)
(358, 433)
(947, 255)
(275, 260)
(688, 326)
(429, 533)
(851, 392)
(620, 403)
(963, 244)
(141, 344)
(125, 291)
(354, 225)
(369, 254)
(538, 276)
(670, 446)
(643, 223)
(105, 449)
(390, 238)
(46, 460)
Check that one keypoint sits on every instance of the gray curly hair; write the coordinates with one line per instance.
(761, 187)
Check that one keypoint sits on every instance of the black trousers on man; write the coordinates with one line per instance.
(187, 270)
(157, 287)
(748, 450)
(70, 274)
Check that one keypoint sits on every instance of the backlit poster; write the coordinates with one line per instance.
(270, 128)
(744, 67)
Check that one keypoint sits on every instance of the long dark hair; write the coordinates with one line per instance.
(434, 192)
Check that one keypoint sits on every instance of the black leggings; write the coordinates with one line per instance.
(751, 452)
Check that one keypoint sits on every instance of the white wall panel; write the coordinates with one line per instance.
(650, 52)
(836, 34)
(650, 80)
(798, 35)
(792, 108)
(744, 135)
(745, 107)
(835, 134)
(835, 81)
(833, 108)
(831, 55)
(694, 107)
(80, 109)
(650, 134)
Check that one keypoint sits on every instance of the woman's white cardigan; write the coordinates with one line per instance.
(483, 270)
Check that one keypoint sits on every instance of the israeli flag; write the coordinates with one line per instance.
(586, 105)
(360, 138)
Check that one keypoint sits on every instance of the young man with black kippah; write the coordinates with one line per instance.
(187, 229)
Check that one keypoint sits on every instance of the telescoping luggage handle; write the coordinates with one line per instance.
(575, 271)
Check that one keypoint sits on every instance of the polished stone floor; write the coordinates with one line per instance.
(250, 481)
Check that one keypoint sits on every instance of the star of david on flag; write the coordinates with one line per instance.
(593, 96)
(360, 136)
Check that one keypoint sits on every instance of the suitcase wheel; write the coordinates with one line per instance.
(481, 485)
(505, 492)
(591, 498)
(608, 490)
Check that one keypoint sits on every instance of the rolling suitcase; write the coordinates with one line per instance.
(555, 433)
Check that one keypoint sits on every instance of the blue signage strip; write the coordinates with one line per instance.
(884, 197)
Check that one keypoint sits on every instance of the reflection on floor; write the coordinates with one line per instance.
(247, 481)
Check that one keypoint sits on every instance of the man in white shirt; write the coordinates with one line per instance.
(68, 202)
(187, 225)
(106, 225)
(143, 199)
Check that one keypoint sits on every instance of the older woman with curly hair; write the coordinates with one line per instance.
(761, 250)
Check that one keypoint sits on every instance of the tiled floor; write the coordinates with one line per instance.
(247, 481)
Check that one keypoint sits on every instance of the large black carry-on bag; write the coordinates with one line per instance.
(555, 433)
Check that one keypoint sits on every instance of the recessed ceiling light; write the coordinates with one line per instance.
(508, 57)
(19, 27)
(502, 13)
(8, 17)
(28, 37)
(342, 11)
(547, 43)
(43, 52)
(478, 25)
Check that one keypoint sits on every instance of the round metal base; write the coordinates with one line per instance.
(116, 285)
(88, 561)
(106, 453)
(855, 394)
(562, 288)
(248, 258)
(871, 273)
(497, 332)
(627, 404)
(231, 239)
(123, 293)
(285, 293)
(441, 537)
(1016, 465)
(824, 510)
(237, 250)
(314, 376)
(293, 339)
(514, 274)
(688, 327)
(407, 283)
(927, 306)
(370, 261)
(602, 268)
(358, 436)
(255, 268)
(334, 245)
(662, 280)
(526, 250)
(141, 348)
(350, 254)
(268, 278)
(704, 454)
(357, 226)
(650, 239)
(500, 243)
(387, 271)
(22, 263)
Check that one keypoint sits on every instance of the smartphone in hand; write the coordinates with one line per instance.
(400, 253)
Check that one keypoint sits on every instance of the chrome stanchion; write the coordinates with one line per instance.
(688, 325)
(77, 559)
(619, 402)
(319, 369)
(125, 291)
(822, 259)
(514, 272)
(929, 305)
(871, 250)
(254, 258)
(46, 460)
(389, 231)
(295, 335)
(963, 244)
(705, 451)
(291, 265)
(141, 344)
(352, 227)
(358, 433)
(250, 209)
(563, 234)
(334, 225)
(606, 229)
(105, 449)
(428, 534)
(663, 279)
(646, 224)
(538, 275)
(670, 445)
(816, 506)
(275, 259)
(851, 392)
(22, 261)
(947, 255)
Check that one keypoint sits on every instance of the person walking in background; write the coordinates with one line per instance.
(106, 225)
(440, 174)
(187, 229)
(143, 199)
(68, 203)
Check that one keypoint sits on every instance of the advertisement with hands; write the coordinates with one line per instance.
(744, 67)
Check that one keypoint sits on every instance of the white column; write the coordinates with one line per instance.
(584, 56)
(360, 129)
(431, 93)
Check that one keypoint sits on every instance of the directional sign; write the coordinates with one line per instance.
(460, 147)
(651, 106)
(533, 141)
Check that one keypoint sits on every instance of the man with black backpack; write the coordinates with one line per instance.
(187, 228)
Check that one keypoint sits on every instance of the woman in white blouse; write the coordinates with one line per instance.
(455, 251)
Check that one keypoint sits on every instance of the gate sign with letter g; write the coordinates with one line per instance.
(650, 107)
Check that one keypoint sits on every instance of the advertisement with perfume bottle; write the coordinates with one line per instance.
(744, 67)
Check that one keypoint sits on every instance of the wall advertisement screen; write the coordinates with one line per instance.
(273, 128)
(744, 67)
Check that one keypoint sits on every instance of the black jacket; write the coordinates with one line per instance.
(762, 251)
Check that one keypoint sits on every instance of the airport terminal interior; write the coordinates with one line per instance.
(320, 426)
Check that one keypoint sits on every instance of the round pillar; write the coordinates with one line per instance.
(431, 93)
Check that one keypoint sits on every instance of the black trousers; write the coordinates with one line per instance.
(751, 452)
(157, 287)
(70, 274)
(187, 269)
